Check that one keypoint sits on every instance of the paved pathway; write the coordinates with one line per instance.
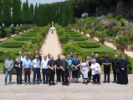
(51, 45)
(75, 91)
(129, 53)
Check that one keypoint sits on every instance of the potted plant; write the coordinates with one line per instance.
(80, 29)
(97, 34)
(91, 32)
(0, 34)
(84, 31)
(69, 27)
(16, 32)
(102, 36)
(121, 43)
(8, 32)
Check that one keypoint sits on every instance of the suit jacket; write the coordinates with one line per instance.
(18, 68)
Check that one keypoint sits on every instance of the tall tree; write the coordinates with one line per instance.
(15, 12)
(6, 13)
(36, 14)
(31, 11)
(23, 13)
(60, 14)
(27, 13)
(20, 19)
(64, 18)
(1, 16)
(71, 14)
(40, 15)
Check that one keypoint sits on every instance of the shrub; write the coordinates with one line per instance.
(85, 16)
(79, 39)
(108, 32)
(123, 21)
(115, 30)
(100, 28)
(8, 30)
(64, 38)
(75, 35)
(87, 45)
(91, 32)
(68, 48)
(13, 30)
(109, 16)
(118, 17)
(122, 40)
(22, 38)
(12, 44)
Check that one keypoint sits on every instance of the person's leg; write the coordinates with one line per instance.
(29, 75)
(46, 76)
(50, 77)
(97, 76)
(34, 76)
(76, 80)
(6, 75)
(57, 75)
(43, 75)
(114, 76)
(109, 76)
(63, 78)
(10, 76)
(25, 75)
(20, 76)
(117, 76)
(104, 76)
(38, 74)
(17, 73)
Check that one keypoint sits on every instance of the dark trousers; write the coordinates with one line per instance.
(51, 76)
(107, 72)
(96, 77)
(36, 71)
(45, 73)
(115, 74)
(27, 73)
(58, 73)
(65, 76)
(19, 76)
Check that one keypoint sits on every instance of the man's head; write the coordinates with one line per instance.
(116, 56)
(37, 52)
(67, 57)
(88, 57)
(96, 55)
(92, 54)
(48, 55)
(9, 56)
(107, 54)
(52, 57)
(94, 60)
(19, 58)
(71, 53)
(83, 59)
(44, 56)
(123, 57)
(27, 57)
(58, 56)
(76, 57)
(22, 54)
(36, 56)
(63, 58)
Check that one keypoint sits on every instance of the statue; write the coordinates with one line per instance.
(52, 24)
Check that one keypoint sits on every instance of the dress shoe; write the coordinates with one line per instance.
(104, 82)
(49, 84)
(38, 83)
(43, 82)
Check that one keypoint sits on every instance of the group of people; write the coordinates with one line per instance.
(68, 69)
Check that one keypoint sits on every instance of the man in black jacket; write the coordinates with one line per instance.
(115, 67)
(107, 62)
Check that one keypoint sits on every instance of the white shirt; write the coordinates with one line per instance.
(22, 59)
(94, 72)
(44, 63)
(36, 63)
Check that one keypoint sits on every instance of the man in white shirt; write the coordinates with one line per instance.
(48, 58)
(23, 58)
(36, 65)
(44, 64)
(95, 67)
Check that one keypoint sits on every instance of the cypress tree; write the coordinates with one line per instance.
(52, 12)
(1, 18)
(15, 12)
(55, 13)
(40, 16)
(64, 18)
(36, 14)
(23, 13)
(20, 20)
(60, 14)
(31, 12)
(71, 14)
(27, 13)
(6, 13)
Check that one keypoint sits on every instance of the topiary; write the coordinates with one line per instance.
(12, 44)
(87, 45)
(79, 39)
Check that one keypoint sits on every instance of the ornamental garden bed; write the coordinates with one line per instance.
(87, 45)
(22, 38)
(28, 35)
(79, 39)
(12, 44)
(75, 35)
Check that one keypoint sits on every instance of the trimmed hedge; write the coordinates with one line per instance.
(22, 38)
(28, 35)
(12, 44)
(87, 45)
(79, 39)
(75, 35)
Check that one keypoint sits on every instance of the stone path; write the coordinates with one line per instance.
(51, 45)
(111, 45)
(75, 91)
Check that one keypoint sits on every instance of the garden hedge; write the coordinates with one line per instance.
(22, 38)
(75, 35)
(87, 45)
(12, 44)
(79, 39)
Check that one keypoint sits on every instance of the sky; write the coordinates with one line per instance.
(42, 1)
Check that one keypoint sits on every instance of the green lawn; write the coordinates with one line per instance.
(1, 66)
(13, 40)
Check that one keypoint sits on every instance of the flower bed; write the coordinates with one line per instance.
(12, 44)
(79, 39)
(87, 45)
